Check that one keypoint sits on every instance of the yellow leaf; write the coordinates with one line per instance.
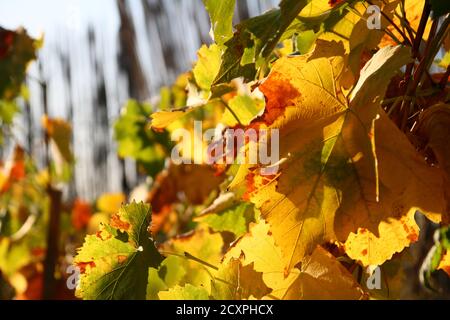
(316, 278)
(207, 66)
(413, 10)
(110, 202)
(162, 119)
(202, 245)
(234, 281)
(373, 248)
(434, 127)
(60, 131)
(345, 170)
(308, 80)
(358, 39)
(323, 277)
(258, 248)
(445, 263)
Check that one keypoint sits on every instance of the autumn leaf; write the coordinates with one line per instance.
(349, 25)
(60, 132)
(316, 277)
(234, 219)
(255, 38)
(15, 171)
(345, 173)
(197, 254)
(114, 263)
(323, 277)
(412, 11)
(234, 281)
(434, 127)
(308, 80)
(258, 248)
(81, 214)
(445, 263)
(137, 141)
(207, 66)
(110, 202)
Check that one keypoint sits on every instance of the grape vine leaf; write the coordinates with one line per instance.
(60, 132)
(345, 172)
(135, 140)
(234, 281)
(258, 248)
(322, 270)
(115, 262)
(255, 38)
(221, 16)
(17, 49)
(207, 66)
(434, 127)
(201, 244)
(234, 219)
(310, 81)
(243, 107)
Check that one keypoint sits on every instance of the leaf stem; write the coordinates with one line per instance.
(231, 111)
(189, 256)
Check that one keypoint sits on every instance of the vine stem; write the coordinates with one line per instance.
(411, 87)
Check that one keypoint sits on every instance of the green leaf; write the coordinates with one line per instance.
(13, 257)
(188, 292)
(137, 141)
(17, 49)
(305, 41)
(201, 244)
(221, 15)
(234, 219)
(207, 66)
(8, 109)
(243, 107)
(257, 36)
(445, 61)
(115, 262)
(155, 284)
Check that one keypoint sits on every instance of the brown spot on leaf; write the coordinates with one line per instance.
(413, 237)
(332, 3)
(83, 265)
(250, 183)
(117, 223)
(279, 94)
(364, 252)
(121, 258)
(6, 41)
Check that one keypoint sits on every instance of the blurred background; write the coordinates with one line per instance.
(97, 55)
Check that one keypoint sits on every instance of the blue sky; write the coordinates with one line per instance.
(44, 16)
